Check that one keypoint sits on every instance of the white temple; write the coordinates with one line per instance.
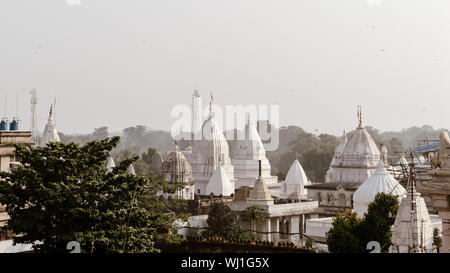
(412, 230)
(220, 184)
(50, 132)
(245, 155)
(295, 181)
(380, 181)
(207, 152)
(178, 170)
(355, 159)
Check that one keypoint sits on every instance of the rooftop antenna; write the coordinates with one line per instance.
(34, 131)
(411, 184)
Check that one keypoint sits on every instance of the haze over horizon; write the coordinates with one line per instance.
(123, 63)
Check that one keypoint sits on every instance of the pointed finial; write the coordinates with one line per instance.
(210, 105)
(360, 116)
(50, 112)
(176, 145)
(296, 155)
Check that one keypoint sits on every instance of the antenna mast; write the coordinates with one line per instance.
(34, 130)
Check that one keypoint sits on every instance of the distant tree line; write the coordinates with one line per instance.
(314, 152)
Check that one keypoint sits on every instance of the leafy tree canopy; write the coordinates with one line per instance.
(63, 192)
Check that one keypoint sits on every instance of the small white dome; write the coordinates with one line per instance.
(296, 175)
(380, 181)
(220, 183)
(295, 181)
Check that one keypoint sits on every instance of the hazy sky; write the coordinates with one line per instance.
(122, 63)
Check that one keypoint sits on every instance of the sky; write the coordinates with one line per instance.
(123, 63)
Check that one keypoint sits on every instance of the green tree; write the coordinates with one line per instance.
(437, 240)
(254, 214)
(63, 192)
(342, 237)
(377, 222)
(221, 221)
(100, 133)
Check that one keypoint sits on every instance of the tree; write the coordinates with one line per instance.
(437, 240)
(152, 160)
(254, 214)
(100, 133)
(63, 192)
(342, 237)
(377, 222)
(221, 221)
(350, 234)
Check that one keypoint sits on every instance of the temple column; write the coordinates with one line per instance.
(268, 229)
(276, 228)
(294, 226)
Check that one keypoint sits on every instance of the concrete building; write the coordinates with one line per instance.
(285, 219)
(8, 160)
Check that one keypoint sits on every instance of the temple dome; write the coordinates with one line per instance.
(380, 181)
(220, 184)
(218, 149)
(360, 150)
(295, 181)
(177, 168)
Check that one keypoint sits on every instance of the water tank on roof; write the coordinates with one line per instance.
(15, 124)
(4, 124)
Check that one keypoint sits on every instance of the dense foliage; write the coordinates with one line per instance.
(350, 234)
(63, 192)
